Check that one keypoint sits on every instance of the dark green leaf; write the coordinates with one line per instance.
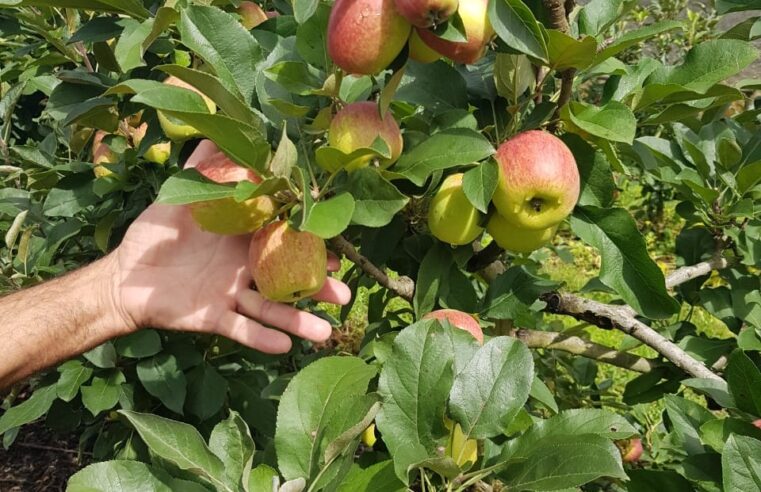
(122, 475)
(740, 463)
(376, 200)
(162, 378)
(479, 184)
(30, 410)
(516, 25)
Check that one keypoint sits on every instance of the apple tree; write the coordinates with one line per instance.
(547, 213)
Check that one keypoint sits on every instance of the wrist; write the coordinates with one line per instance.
(117, 317)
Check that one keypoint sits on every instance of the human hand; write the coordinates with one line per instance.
(173, 275)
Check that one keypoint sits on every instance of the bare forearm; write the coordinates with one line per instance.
(58, 320)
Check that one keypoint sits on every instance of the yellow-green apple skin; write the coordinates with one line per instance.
(421, 52)
(227, 216)
(459, 319)
(357, 126)
(287, 265)
(175, 129)
(251, 14)
(364, 36)
(539, 181)
(478, 31)
(451, 217)
(518, 239)
(156, 153)
(426, 13)
(102, 155)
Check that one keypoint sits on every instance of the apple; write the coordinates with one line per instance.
(451, 217)
(156, 153)
(102, 155)
(460, 449)
(287, 265)
(426, 13)
(251, 14)
(478, 31)
(421, 52)
(538, 180)
(757, 423)
(518, 239)
(458, 319)
(364, 36)
(357, 126)
(175, 129)
(368, 436)
(226, 215)
(631, 450)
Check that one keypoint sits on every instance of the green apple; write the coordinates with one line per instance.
(358, 125)
(426, 13)
(287, 265)
(364, 36)
(226, 215)
(458, 319)
(156, 153)
(538, 180)
(518, 239)
(421, 52)
(175, 129)
(251, 14)
(451, 217)
(478, 31)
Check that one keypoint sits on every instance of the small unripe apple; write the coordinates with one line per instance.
(478, 31)
(451, 217)
(287, 265)
(460, 449)
(364, 36)
(156, 153)
(226, 215)
(421, 52)
(538, 180)
(251, 14)
(426, 13)
(458, 319)
(368, 436)
(631, 449)
(357, 126)
(518, 239)
(175, 129)
(102, 155)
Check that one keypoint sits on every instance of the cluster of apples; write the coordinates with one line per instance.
(365, 36)
(104, 158)
(538, 187)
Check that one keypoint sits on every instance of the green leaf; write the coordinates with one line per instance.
(103, 392)
(231, 441)
(643, 480)
(636, 36)
(598, 15)
(565, 52)
(30, 410)
(613, 121)
(597, 184)
(316, 403)
(138, 345)
(73, 375)
(189, 186)
(564, 462)
(304, 9)
(744, 380)
(223, 43)
(740, 463)
(541, 393)
(285, 157)
(512, 293)
(122, 475)
(626, 266)
(726, 6)
(329, 218)
(207, 390)
(295, 77)
(715, 433)
(493, 387)
(444, 150)
(134, 8)
(389, 90)
(479, 184)
(378, 477)
(103, 356)
(516, 25)
(686, 418)
(432, 272)
(438, 87)
(376, 200)
(180, 444)
(718, 390)
(262, 479)
(162, 378)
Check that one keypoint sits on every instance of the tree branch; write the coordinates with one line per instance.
(578, 346)
(687, 273)
(403, 286)
(558, 11)
(485, 257)
(609, 316)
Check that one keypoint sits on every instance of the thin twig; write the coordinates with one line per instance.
(403, 286)
(687, 273)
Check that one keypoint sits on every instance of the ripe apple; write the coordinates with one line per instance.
(461, 450)
(156, 153)
(631, 450)
(478, 31)
(226, 215)
(538, 180)
(357, 126)
(287, 265)
(421, 52)
(426, 13)
(251, 14)
(364, 36)
(102, 155)
(451, 216)
(458, 319)
(174, 128)
(518, 239)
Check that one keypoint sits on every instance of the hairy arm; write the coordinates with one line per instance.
(59, 319)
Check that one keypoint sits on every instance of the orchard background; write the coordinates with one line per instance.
(638, 325)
